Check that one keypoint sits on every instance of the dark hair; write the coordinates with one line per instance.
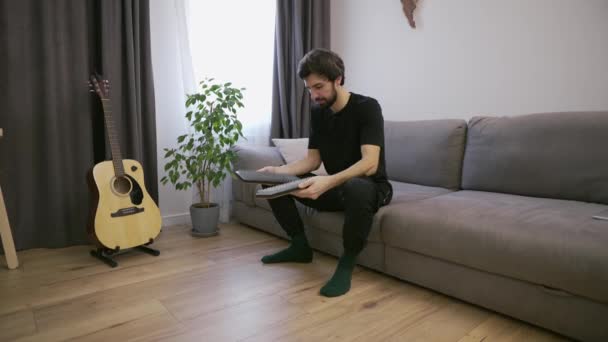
(322, 62)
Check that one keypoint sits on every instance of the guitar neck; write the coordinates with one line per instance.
(113, 138)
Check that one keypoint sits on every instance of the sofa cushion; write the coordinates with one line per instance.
(402, 193)
(406, 192)
(551, 242)
(425, 152)
(295, 149)
(552, 155)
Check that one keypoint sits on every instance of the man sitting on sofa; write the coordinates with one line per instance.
(347, 135)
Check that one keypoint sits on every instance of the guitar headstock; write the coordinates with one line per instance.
(100, 86)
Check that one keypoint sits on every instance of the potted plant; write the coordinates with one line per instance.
(204, 156)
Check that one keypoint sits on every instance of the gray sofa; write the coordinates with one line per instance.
(496, 211)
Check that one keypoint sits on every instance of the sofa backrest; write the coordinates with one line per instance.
(425, 152)
(553, 155)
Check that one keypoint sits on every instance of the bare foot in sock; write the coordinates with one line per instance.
(339, 283)
(298, 251)
(292, 253)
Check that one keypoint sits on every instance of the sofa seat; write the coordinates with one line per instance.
(554, 243)
(332, 221)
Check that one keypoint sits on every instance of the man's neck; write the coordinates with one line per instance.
(341, 100)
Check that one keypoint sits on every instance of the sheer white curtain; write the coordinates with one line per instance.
(231, 41)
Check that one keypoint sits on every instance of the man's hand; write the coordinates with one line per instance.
(314, 187)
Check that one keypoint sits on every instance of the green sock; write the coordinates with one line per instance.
(298, 251)
(339, 283)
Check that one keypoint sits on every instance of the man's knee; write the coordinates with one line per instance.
(360, 192)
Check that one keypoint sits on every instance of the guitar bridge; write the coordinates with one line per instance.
(127, 211)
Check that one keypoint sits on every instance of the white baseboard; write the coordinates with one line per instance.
(176, 219)
(184, 219)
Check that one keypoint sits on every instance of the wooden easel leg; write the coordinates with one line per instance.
(7, 236)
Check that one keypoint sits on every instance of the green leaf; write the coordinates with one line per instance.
(204, 156)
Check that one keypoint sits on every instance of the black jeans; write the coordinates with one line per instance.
(359, 198)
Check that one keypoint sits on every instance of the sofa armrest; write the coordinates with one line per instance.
(252, 157)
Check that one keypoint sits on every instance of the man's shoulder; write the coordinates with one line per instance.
(362, 99)
(365, 102)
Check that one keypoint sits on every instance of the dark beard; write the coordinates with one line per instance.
(330, 102)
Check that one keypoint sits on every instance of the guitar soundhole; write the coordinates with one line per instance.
(121, 185)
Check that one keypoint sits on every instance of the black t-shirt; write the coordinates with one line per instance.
(339, 136)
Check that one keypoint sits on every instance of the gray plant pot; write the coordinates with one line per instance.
(204, 220)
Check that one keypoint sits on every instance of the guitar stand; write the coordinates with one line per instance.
(105, 254)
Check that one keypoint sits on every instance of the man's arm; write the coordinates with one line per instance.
(368, 165)
(371, 140)
(311, 162)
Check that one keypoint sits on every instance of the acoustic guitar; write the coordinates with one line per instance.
(123, 214)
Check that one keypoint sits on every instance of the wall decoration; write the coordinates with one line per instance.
(408, 9)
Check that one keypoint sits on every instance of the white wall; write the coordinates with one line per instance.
(467, 57)
(169, 95)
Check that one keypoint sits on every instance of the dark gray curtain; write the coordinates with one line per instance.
(126, 61)
(54, 130)
(301, 25)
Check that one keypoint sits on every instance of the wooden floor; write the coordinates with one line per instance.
(216, 289)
